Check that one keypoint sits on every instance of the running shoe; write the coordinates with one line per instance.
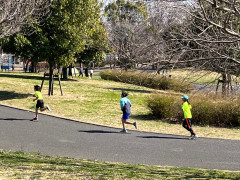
(123, 131)
(48, 108)
(34, 119)
(135, 125)
(194, 136)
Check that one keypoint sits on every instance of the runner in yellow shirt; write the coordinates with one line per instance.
(186, 106)
(40, 103)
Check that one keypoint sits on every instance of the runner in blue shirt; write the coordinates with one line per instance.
(125, 104)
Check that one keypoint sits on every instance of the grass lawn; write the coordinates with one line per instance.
(95, 101)
(196, 76)
(17, 165)
(200, 76)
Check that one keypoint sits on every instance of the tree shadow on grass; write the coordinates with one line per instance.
(144, 117)
(130, 90)
(21, 76)
(6, 95)
(33, 77)
(150, 117)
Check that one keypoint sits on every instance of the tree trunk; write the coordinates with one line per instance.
(64, 73)
(50, 89)
(224, 84)
(229, 83)
(33, 67)
(70, 70)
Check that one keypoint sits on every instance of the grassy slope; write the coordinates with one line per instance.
(34, 166)
(95, 101)
(196, 76)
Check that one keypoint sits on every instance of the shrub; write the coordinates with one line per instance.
(161, 106)
(146, 79)
(206, 110)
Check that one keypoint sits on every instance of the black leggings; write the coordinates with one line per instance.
(188, 126)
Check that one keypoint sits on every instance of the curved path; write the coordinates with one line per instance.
(61, 137)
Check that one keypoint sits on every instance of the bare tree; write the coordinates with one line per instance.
(204, 36)
(16, 13)
(207, 39)
(152, 48)
(125, 21)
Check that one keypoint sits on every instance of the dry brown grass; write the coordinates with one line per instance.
(97, 101)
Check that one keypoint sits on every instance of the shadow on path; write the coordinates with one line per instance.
(99, 131)
(13, 119)
(5, 95)
(161, 137)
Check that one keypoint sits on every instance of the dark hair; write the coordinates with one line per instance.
(124, 94)
(186, 100)
(37, 88)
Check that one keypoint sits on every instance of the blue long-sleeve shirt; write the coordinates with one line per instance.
(125, 105)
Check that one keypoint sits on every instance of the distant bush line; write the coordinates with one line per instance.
(206, 110)
(146, 80)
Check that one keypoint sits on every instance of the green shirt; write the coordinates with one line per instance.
(38, 94)
(187, 110)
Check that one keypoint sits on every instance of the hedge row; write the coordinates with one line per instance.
(206, 110)
(146, 79)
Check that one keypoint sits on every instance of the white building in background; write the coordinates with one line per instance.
(6, 61)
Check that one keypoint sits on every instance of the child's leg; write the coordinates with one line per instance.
(127, 122)
(190, 127)
(124, 120)
(43, 109)
(187, 125)
(123, 123)
(184, 124)
(36, 112)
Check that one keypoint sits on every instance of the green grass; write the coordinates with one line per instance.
(96, 101)
(18, 165)
(199, 76)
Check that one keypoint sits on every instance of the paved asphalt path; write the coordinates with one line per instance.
(62, 137)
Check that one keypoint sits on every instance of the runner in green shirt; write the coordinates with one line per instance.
(186, 106)
(40, 103)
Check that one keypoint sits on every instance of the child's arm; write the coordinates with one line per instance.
(36, 97)
(122, 102)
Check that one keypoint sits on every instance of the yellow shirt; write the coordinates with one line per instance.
(187, 110)
(38, 94)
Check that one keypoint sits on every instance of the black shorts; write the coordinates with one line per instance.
(40, 104)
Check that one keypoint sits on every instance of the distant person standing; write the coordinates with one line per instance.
(125, 105)
(91, 73)
(186, 106)
(86, 72)
(40, 103)
(81, 71)
(164, 74)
